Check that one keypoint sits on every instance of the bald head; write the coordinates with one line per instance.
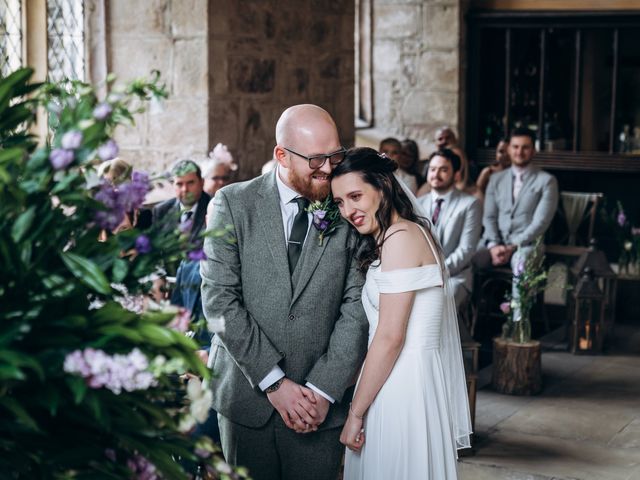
(300, 123)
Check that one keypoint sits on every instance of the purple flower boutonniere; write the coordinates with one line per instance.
(326, 217)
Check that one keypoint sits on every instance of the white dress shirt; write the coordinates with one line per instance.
(289, 210)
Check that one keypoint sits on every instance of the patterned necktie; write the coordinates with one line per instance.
(517, 185)
(436, 212)
(298, 232)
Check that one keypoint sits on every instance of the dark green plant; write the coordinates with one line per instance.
(63, 293)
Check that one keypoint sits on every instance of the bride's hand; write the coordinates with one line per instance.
(352, 435)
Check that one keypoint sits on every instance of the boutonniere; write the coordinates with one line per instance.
(326, 216)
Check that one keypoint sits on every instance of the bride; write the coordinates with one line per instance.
(409, 413)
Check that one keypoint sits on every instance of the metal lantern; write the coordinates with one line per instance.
(606, 278)
(587, 324)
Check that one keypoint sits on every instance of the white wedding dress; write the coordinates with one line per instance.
(408, 433)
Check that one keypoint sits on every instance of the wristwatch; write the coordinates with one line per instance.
(274, 386)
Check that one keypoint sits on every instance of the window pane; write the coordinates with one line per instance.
(65, 28)
(525, 78)
(597, 68)
(627, 138)
(492, 87)
(10, 36)
(559, 95)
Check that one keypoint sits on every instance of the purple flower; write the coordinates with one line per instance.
(622, 218)
(196, 255)
(323, 225)
(71, 140)
(635, 232)
(110, 218)
(102, 111)
(108, 150)
(60, 158)
(142, 468)
(143, 244)
(131, 195)
(110, 453)
(113, 372)
(505, 307)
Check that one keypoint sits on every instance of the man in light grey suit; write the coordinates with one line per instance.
(520, 203)
(456, 217)
(296, 332)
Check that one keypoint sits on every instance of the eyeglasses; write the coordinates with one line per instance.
(317, 161)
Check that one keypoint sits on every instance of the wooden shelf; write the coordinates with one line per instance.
(573, 161)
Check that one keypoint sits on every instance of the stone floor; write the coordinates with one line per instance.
(585, 425)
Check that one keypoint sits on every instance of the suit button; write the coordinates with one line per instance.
(292, 317)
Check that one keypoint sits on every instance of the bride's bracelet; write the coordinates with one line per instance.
(359, 417)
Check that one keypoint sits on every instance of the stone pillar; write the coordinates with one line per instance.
(417, 68)
(267, 55)
(169, 36)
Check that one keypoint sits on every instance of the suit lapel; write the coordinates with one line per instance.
(508, 191)
(449, 211)
(267, 208)
(311, 253)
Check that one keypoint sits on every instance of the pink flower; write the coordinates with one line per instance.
(505, 307)
(181, 321)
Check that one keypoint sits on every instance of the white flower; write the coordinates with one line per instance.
(187, 422)
(628, 246)
(216, 325)
(200, 408)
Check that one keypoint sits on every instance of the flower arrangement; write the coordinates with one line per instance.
(91, 371)
(326, 217)
(529, 279)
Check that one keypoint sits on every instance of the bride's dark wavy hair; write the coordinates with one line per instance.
(377, 170)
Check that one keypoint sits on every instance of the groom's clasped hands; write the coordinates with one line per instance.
(301, 409)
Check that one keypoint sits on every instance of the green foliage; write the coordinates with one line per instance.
(530, 279)
(58, 295)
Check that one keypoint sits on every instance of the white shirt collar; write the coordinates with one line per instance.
(446, 197)
(287, 194)
(515, 170)
(184, 208)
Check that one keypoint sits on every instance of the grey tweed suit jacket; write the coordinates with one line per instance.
(458, 229)
(311, 324)
(522, 222)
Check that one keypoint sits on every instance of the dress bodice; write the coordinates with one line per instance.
(423, 328)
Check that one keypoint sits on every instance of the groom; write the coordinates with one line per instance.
(296, 332)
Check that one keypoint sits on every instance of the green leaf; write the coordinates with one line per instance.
(22, 360)
(21, 414)
(87, 272)
(120, 269)
(78, 388)
(121, 331)
(23, 223)
(156, 335)
(11, 372)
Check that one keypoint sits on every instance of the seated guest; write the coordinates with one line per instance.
(218, 169)
(408, 163)
(456, 217)
(190, 204)
(502, 162)
(392, 148)
(520, 203)
(446, 138)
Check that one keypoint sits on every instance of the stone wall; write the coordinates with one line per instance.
(266, 55)
(417, 68)
(169, 36)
